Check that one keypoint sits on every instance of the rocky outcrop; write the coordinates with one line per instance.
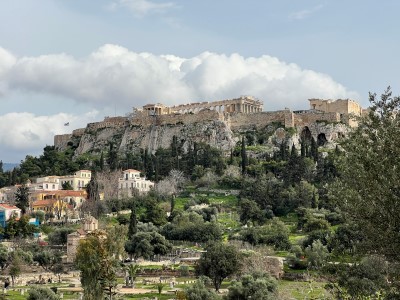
(221, 131)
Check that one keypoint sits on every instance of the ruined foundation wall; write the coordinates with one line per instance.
(306, 118)
(239, 121)
(142, 119)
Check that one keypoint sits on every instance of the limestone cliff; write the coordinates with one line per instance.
(220, 130)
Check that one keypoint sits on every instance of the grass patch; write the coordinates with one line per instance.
(226, 201)
(294, 239)
(149, 296)
(180, 202)
(303, 290)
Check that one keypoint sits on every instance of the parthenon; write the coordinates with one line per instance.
(244, 104)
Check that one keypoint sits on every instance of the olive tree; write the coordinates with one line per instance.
(218, 262)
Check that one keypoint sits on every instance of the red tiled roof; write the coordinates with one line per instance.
(7, 206)
(44, 202)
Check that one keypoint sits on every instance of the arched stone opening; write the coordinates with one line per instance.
(305, 135)
(321, 139)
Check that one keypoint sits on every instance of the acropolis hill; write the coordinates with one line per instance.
(217, 123)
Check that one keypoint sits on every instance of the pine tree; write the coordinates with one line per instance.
(369, 176)
(22, 198)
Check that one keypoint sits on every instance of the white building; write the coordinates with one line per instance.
(47, 183)
(6, 211)
(78, 181)
(132, 181)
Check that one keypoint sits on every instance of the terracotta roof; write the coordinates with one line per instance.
(63, 193)
(44, 202)
(131, 170)
(7, 206)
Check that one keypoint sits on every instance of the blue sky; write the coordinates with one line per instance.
(78, 61)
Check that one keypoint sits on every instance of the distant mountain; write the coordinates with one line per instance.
(9, 166)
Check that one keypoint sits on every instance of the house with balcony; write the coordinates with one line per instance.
(47, 183)
(131, 181)
(78, 181)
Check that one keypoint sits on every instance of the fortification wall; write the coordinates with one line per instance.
(306, 118)
(109, 122)
(286, 117)
(142, 119)
(61, 140)
(78, 132)
(239, 121)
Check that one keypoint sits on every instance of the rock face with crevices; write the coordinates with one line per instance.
(219, 130)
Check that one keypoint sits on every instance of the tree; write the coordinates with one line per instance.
(4, 257)
(116, 238)
(256, 286)
(59, 236)
(244, 156)
(97, 266)
(366, 279)
(22, 198)
(368, 188)
(147, 244)
(49, 260)
(19, 228)
(316, 254)
(250, 211)
(15, 268)
(154, 213)
(132, 270)
(41, 293)
(67, 186)
(219, 262)
(199, 291)
(190, 226)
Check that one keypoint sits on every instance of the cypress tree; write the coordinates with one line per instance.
(244, 156)
(314, 149)
(132, 229)
(303, 148)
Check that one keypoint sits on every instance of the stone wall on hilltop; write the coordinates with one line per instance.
(222, 130)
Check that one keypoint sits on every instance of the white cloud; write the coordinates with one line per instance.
(141, 8)
(305, 13)
(7, 60)
(113, 74)
(29, 133)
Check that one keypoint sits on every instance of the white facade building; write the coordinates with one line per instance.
(47, 183)
(78, 181)
(132, 181)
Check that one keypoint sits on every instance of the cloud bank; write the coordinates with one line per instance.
(26, 133)
(113, 75)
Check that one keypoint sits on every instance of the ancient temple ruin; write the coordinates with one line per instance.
(244, 104)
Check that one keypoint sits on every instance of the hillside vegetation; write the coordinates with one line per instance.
(330, 214)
